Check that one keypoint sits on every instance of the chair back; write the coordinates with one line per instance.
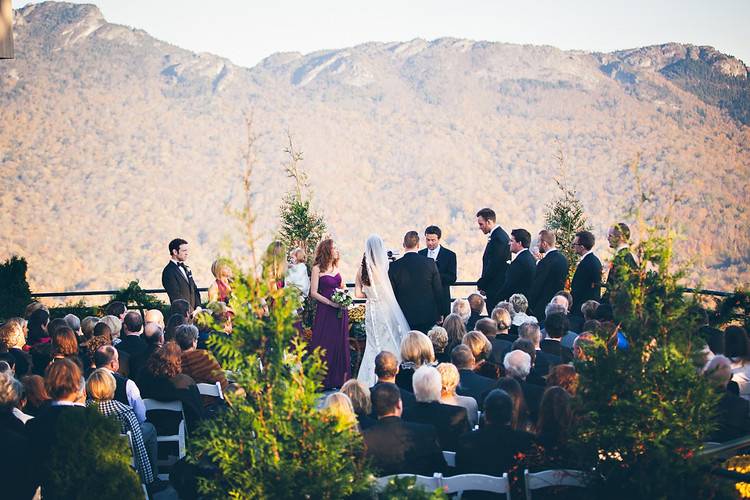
(179, 438)
(476, 482)
(555, 477)
(450, 458)
(211, 390)
(427, 482)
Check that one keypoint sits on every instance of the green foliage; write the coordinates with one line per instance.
(732, 310)
(646, 409)
(406, 489)
(89, 462)
(134, 294)
(273, 442)
(15, 294)
(565, 217)
(80, 309)
(301, 226)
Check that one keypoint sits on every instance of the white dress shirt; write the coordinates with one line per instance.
(182, 269)
(433, 253)
(134, 399)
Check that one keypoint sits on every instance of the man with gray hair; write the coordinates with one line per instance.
(449, 420)
(518, 365)
(199, 364)
(74, 323)
(732, 415)
(544, 360)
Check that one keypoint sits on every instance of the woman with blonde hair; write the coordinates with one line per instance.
(416, 351)
(12, 340)
(221, 288)
(456, 330)
(339, 407)
(450, 379)
(359, 395)
(503, 319)
(481, 348)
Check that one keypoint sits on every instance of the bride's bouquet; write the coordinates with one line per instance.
(342, 298)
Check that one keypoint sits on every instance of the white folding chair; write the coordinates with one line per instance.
(476, 482)
(427, 482)
(555, 477)
(129, 436)
(211, 390)
(179, 438)
(450, 458)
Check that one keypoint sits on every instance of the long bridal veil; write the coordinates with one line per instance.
(387, 315)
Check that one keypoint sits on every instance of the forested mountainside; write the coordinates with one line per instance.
(114, 142)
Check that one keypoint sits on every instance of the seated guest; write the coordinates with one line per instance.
(737, 346)
(117, 309)
(182, 308)
(556, 325)
(39, 342)
(17, 466)
(126, 392)
(398, 447)
(518, 365)
(470, 383)
(588, 309)
(462, 308)
(65, 345)
(154, 316)
(174, 322)
(199, 364)
(115, 326)
(12, 340)
(87, 327)
(520, 305)
(456, 330)
(552, 431)
(386, 369)
(492, 448)
(162, 379)
(544, 360)
(536, 376)
(564, 376)
(520, 420)
(439, 338)
(476, 303)
(450, 421)
(416, 350)
(488, 327)
(582, 343)
(359, 395)
(74, 323)
(133, 343)
(732, 412)
(338, 406)
(64, 383)
(449, 378)
(153, 335)
(481, 348)
(37, 398)
(503, 318)
(101, 391)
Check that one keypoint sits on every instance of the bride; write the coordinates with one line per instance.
(385, 324)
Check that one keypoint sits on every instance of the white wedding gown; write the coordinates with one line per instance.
(384, 333)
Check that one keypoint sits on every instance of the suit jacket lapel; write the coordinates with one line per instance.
(179, 271)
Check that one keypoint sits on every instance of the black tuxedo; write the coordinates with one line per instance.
(136, 348)
(178, 287)
(472, 384)
(520, 276)
(446, 264)
(491, 450)
(494, 266)
(622, 263)
(550, 277)
(449, 420)
(416, 284)
(399, 447)
(587, 282)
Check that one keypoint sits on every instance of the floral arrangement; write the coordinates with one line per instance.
(357, 321)
(342, 297)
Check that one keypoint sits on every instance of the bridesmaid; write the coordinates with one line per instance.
(329, 332)
(221, 289)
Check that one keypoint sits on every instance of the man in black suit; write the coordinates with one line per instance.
(492, 448)
(556, 326)
(521, 271)
(495, 258)
(386, 369)
(446, 264)
(470, 384)
(177, 278)
(551, 274)
(449, 420)
(543, 360)
(623, 261)
(587, 280)
(518, 365)
(416, 285)
(476, 304)
(396, 446)
(133, 344)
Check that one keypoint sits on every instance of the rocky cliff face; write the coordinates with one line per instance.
(114, 142)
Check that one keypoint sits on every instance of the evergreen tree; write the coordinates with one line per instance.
(300, 225)
(15, 294)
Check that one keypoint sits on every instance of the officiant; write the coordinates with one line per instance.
(446, 264)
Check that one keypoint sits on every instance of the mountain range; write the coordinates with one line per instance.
(114, 142)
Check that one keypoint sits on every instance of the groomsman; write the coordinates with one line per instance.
(446, 264)
(177, 278)
(551, 274)
(495, 258)
(521, 271)
(416, 285)
(623, 261)
(587, 280)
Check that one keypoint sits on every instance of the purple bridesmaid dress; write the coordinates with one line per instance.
(331, 334)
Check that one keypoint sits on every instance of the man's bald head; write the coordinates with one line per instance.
(386, 366)
(154, 316)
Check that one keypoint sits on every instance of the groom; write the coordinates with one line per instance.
(416, 285)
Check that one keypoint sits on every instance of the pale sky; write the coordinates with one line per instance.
(246, 31)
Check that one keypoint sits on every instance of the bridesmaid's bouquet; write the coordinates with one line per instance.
(342, 298)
